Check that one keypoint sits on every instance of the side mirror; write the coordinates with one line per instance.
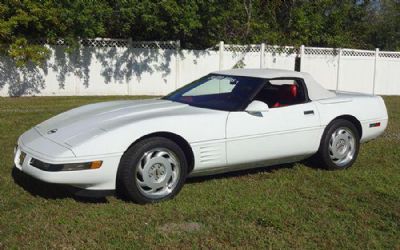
(257, 107)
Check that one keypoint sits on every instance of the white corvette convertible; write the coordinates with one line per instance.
(225, 121)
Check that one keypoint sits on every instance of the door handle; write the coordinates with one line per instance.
(309, 112)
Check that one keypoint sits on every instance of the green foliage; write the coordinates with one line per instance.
(199, 23)
(22, 52)
(385, 31)
(23, 23)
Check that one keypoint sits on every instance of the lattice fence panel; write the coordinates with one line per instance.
(281, 50)
(362, 53)
(45, 41)
(105, 42)
(394, 55)
(321, 51)
(173, 45)
(242, 48)
(156, 45)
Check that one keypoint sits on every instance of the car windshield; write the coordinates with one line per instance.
(221, 92)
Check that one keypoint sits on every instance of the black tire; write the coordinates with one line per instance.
(128, 178)
(325, 151)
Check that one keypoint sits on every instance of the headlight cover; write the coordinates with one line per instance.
(65, 167)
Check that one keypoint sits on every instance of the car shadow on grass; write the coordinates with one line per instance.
(238, 173)
(53, 191)
(312, 163)
(57, 191)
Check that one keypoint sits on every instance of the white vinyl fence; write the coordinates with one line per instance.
(353, 70)
(123, 67)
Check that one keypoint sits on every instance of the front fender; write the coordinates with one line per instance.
(116, 138)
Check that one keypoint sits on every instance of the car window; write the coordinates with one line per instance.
(279, 93)
(282, 81)
(214, 85)
(221, 92)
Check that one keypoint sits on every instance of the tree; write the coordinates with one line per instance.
(385, 28)
(198, 24)
(23, 23)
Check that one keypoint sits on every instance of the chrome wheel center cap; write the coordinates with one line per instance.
(341, 145)
(157, 172)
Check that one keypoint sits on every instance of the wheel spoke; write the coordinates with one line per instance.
(142, 184)
(161, 154)
(140, 170)
(332, 138)
(147, 157)
(172, 161)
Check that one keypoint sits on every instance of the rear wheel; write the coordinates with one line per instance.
(152, 170)
(339, 145)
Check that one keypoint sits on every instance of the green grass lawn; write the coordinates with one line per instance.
(294, 206)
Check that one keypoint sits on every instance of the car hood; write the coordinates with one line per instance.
(94, 119)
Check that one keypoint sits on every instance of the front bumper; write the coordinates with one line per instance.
(103, 178)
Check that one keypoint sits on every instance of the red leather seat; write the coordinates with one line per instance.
(287, 95)
(293, 91)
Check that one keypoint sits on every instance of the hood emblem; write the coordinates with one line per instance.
(52, 131)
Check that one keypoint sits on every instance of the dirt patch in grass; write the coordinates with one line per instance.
(187, 227)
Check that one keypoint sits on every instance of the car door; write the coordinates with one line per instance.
(281, 134)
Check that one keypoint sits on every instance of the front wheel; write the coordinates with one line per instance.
(339, 145)
(152, 170)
